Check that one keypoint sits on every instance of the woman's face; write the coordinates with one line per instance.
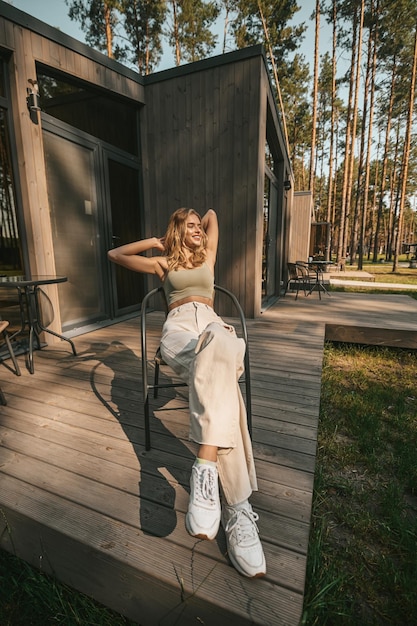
(193, 231)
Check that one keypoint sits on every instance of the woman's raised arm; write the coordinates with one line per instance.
(211, 226)
(131, 256)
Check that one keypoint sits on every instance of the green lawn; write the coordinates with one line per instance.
(383, 272)
(362, 564)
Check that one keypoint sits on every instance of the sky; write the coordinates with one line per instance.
(55, 13)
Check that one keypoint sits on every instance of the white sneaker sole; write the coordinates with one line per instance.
(241, 571)
(200, 535)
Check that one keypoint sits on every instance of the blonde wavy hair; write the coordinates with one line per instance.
(175, 237)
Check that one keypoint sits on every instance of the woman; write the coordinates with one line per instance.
(207, 354)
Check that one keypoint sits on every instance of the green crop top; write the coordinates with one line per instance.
(179, 284)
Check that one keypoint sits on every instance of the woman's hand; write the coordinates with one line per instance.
(160, 244)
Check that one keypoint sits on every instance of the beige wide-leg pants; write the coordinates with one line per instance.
(206, 352)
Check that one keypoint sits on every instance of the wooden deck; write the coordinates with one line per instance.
(73, 465)
(374, 319)
(81, 498)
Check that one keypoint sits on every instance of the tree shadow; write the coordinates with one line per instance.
(159, 470)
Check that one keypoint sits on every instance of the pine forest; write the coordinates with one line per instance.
(347, 107)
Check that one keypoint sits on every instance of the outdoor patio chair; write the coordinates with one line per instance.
(156, 362)
(3, 331)
(297, 277)
(309, 274)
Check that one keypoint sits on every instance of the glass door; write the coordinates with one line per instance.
(73, 200)
(123, 195)
(94, 199)
(269, 256)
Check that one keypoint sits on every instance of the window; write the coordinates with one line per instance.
(90, 110)
(269, 159)
(10, 245)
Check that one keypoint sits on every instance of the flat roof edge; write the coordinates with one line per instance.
(205, 64)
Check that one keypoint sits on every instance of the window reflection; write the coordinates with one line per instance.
(89, 110)
(10, 248)
(2, 77)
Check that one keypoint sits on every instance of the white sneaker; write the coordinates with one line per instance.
(243, 544)
(203, 516)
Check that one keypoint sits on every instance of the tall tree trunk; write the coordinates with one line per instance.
(374, 40)
(109, 31)
(353, 137)
(395, 183)
(225, 27)
(274, 69)
(329, 217)
(360, 206)
(176, 34)
(407, 144)
(385, 161)
(374, 201)
(355, 239)
(315, 92)
(341, 246)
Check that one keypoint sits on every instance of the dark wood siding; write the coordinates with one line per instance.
(204, 150)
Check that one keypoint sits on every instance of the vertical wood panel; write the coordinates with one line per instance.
(226, 190)
(36, 45)
(3, 36)
(9, 34)
(260, 83)
(210, 136)
(208, 152)
(32, 169)
(238, 176)
(300, 227)
(54, 56)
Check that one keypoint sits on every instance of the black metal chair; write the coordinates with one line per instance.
(3, 331)
(297, 277)
(157, 361)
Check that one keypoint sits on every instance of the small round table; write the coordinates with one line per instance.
(29, 289)
(318, 267)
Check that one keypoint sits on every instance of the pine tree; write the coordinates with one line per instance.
(143, 22)
(98, 19)
(190, 35)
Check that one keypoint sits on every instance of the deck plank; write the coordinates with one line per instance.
(74, 475)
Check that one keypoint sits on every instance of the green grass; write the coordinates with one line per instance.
(383, 272)
(362, 564)
(30, 598)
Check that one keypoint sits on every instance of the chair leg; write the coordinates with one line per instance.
(248, 391)
(298, 288)
(147, 423)
(12, 354)
(156, 379)
(2, 397)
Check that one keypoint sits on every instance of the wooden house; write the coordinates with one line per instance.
(96, 155)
